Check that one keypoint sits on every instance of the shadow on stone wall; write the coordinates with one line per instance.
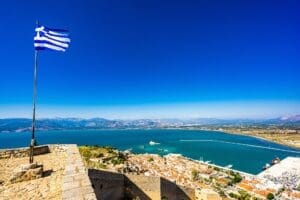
(110, 185)
(107, 185)
(169, 190)
(133, 191)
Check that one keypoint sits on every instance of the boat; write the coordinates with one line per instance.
(153, 143)
(275, 161)
(266, 166)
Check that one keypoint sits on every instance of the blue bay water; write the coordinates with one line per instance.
(245, 153)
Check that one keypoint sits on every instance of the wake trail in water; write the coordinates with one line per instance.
(243, 144)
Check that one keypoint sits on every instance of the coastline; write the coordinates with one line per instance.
(258, 136)
(261, 138)
(219, 166)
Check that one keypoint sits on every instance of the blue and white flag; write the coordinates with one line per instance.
(54, 39)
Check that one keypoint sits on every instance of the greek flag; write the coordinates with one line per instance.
(54, 39)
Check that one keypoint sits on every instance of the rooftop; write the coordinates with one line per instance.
(286, 172)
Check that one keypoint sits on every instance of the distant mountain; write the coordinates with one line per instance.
(22, 124)
(290, 118)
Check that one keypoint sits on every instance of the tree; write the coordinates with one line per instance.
(222, 193)
(195, 175)
(270, 196)
(237, 178)
(151, 159)
(244, 195)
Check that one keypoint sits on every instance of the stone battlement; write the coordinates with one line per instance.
(64, 175)
(23, 152)
(110, 185)
(76, 183)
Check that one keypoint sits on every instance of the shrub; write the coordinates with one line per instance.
(85, 152)
(99, 155)
(195, 175)
(117, 161)
(244, 195)
(237, 178)
(270, 196)
(222, 193)
(102, 166)
(217, 168)
(232, 195)
(151, 159)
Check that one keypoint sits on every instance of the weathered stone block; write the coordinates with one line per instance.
(71, 185)
(27, 172)
(90, 196)
(72, 193)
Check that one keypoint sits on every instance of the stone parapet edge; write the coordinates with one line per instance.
(76, 183)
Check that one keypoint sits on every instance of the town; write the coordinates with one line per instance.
(214, 181)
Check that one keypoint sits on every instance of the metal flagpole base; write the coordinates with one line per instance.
(31, 150)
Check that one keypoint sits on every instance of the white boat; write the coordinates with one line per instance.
(228, 166)
(266, 166)
(153, 143)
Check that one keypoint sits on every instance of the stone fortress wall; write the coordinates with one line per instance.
(24, 151)
(172, 191)
(97, 184)
(144, 187)
(107, 185)
(76, 183)
(110, 185)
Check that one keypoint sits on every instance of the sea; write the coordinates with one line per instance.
(243, 153)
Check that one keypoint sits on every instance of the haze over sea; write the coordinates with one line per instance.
(245, 153)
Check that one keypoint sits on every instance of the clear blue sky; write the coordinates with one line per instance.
(154, 58)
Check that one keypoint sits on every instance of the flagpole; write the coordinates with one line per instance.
(32, 143)
(39, 43)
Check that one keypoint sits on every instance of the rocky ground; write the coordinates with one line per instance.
(46, 187)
